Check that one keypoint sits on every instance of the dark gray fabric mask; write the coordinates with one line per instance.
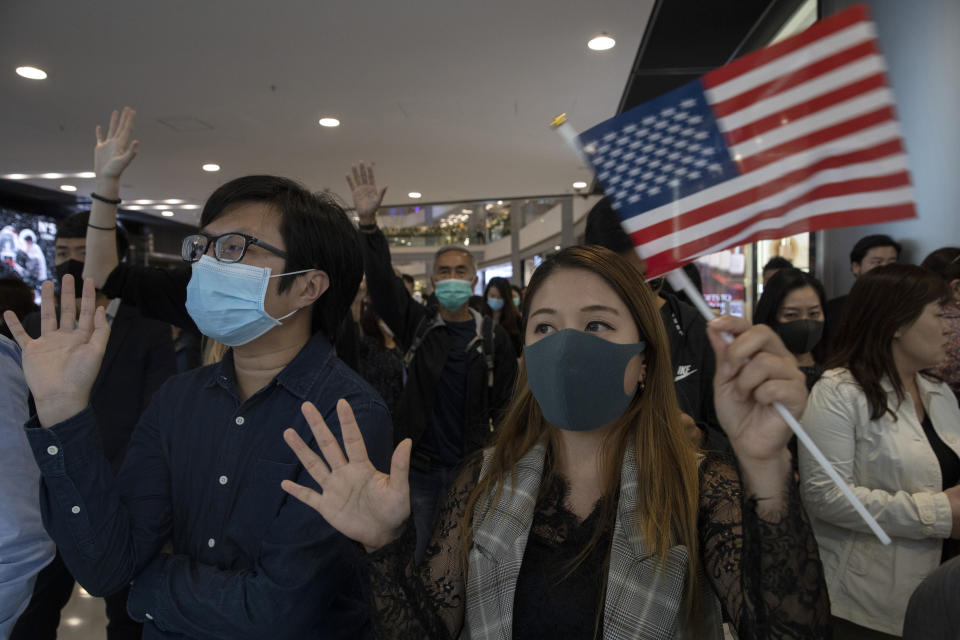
(800, 336)
(577, 378)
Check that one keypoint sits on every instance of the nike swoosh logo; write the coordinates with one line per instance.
(685, 375)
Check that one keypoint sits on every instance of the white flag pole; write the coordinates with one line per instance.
(680, 281)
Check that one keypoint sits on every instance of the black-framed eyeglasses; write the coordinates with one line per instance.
(229, 247)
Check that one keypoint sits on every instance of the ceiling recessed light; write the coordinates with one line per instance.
(160, 206)
(211, 167)
(31, 73)
(86, 174)
(52, 176)
(16, 176)
(173, 201)
(135, 207)
(74, 621)
(67, 187)
(579, 184)
(556, 248)
(190, 206)
(167, 214)
(602, 42)
(143, 201)
(329, 122)
(414, 194)
(500, 203)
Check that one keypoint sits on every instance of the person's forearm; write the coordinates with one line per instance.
(102, 245)
(767, 482)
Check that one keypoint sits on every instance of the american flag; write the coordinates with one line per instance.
(799, 136)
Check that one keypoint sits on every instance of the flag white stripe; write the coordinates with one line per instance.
(877, 134)
(808, 125)
(878, 199)
(885, 166)
(846, 75)
(817, 50)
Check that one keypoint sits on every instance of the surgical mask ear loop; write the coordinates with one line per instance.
(290, 273)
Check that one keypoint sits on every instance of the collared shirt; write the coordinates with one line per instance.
(25, 547)
(203, 472)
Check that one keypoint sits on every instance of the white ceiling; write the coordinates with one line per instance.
(451, 98)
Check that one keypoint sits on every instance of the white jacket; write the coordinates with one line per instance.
(892, 469)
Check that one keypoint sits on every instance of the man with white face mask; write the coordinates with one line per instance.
(460, 366)
(196, 517)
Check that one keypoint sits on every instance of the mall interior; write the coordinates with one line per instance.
(451, 103)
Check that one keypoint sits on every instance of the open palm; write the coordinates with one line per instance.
(62, 364)
(116, 151)
(363, 186)
(357, 500)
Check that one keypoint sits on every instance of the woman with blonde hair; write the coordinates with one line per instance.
(592, 515)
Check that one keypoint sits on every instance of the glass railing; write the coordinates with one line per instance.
(475, 222)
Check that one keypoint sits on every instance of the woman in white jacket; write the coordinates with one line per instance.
(893, 433)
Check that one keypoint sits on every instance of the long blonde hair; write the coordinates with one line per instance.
(667, 472)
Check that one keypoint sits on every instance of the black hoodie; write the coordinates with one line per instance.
(693, 367)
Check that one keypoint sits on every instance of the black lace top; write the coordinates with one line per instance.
(766, 573)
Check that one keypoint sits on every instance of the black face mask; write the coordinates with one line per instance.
(800, 336)
(74, 268)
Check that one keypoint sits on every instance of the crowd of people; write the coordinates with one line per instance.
(587, 457)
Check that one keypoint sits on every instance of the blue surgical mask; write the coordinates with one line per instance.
(495, 303)
(453, 293)
(516, 302)
(577, 378)
(226, 300)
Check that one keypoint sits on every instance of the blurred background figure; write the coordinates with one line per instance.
(893, 434)
(17, 296)
(499, 296)
(773, 265)
(379, 357)
(946, 263)
(792, 305)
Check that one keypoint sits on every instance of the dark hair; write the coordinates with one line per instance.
(17, 296)
(779, 287)
(866, 243)
(944, 262)
(317, 234)
(777, 262)
(370, 323)
(479, 304)
(603, 228)
(882, 301)
(509, 315)
(406, 277)
(75, 226)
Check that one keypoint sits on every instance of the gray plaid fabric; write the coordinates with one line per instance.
(643, 597)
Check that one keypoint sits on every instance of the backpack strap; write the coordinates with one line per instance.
(423, 328)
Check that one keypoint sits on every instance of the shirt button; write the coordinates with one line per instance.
(239, 421)
(52, 450)
(223, 479)
(211, 543)
(148, 616)
(75, 510)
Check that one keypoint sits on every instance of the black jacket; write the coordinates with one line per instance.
(138, 360)
(404, 316)
(694, 365)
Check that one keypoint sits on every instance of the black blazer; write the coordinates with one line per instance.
(139, 358)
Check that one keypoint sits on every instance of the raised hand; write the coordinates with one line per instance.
(753, 372)
(357, 500)
(116, 151)
(62, 364)
(366, 198)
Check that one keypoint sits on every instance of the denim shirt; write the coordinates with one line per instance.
(25, 547)
(203, 473)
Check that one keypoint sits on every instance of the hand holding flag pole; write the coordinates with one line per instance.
(679, 280)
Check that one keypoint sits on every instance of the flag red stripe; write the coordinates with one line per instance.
(815, 139)
(674, 258)
(745, 197)
(794, 78)
(832, 190)
(825, 27)
(825, 101)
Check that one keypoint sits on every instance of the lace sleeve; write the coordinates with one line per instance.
(766, 573)
(427, 601)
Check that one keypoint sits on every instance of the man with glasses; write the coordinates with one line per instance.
(196, 517)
